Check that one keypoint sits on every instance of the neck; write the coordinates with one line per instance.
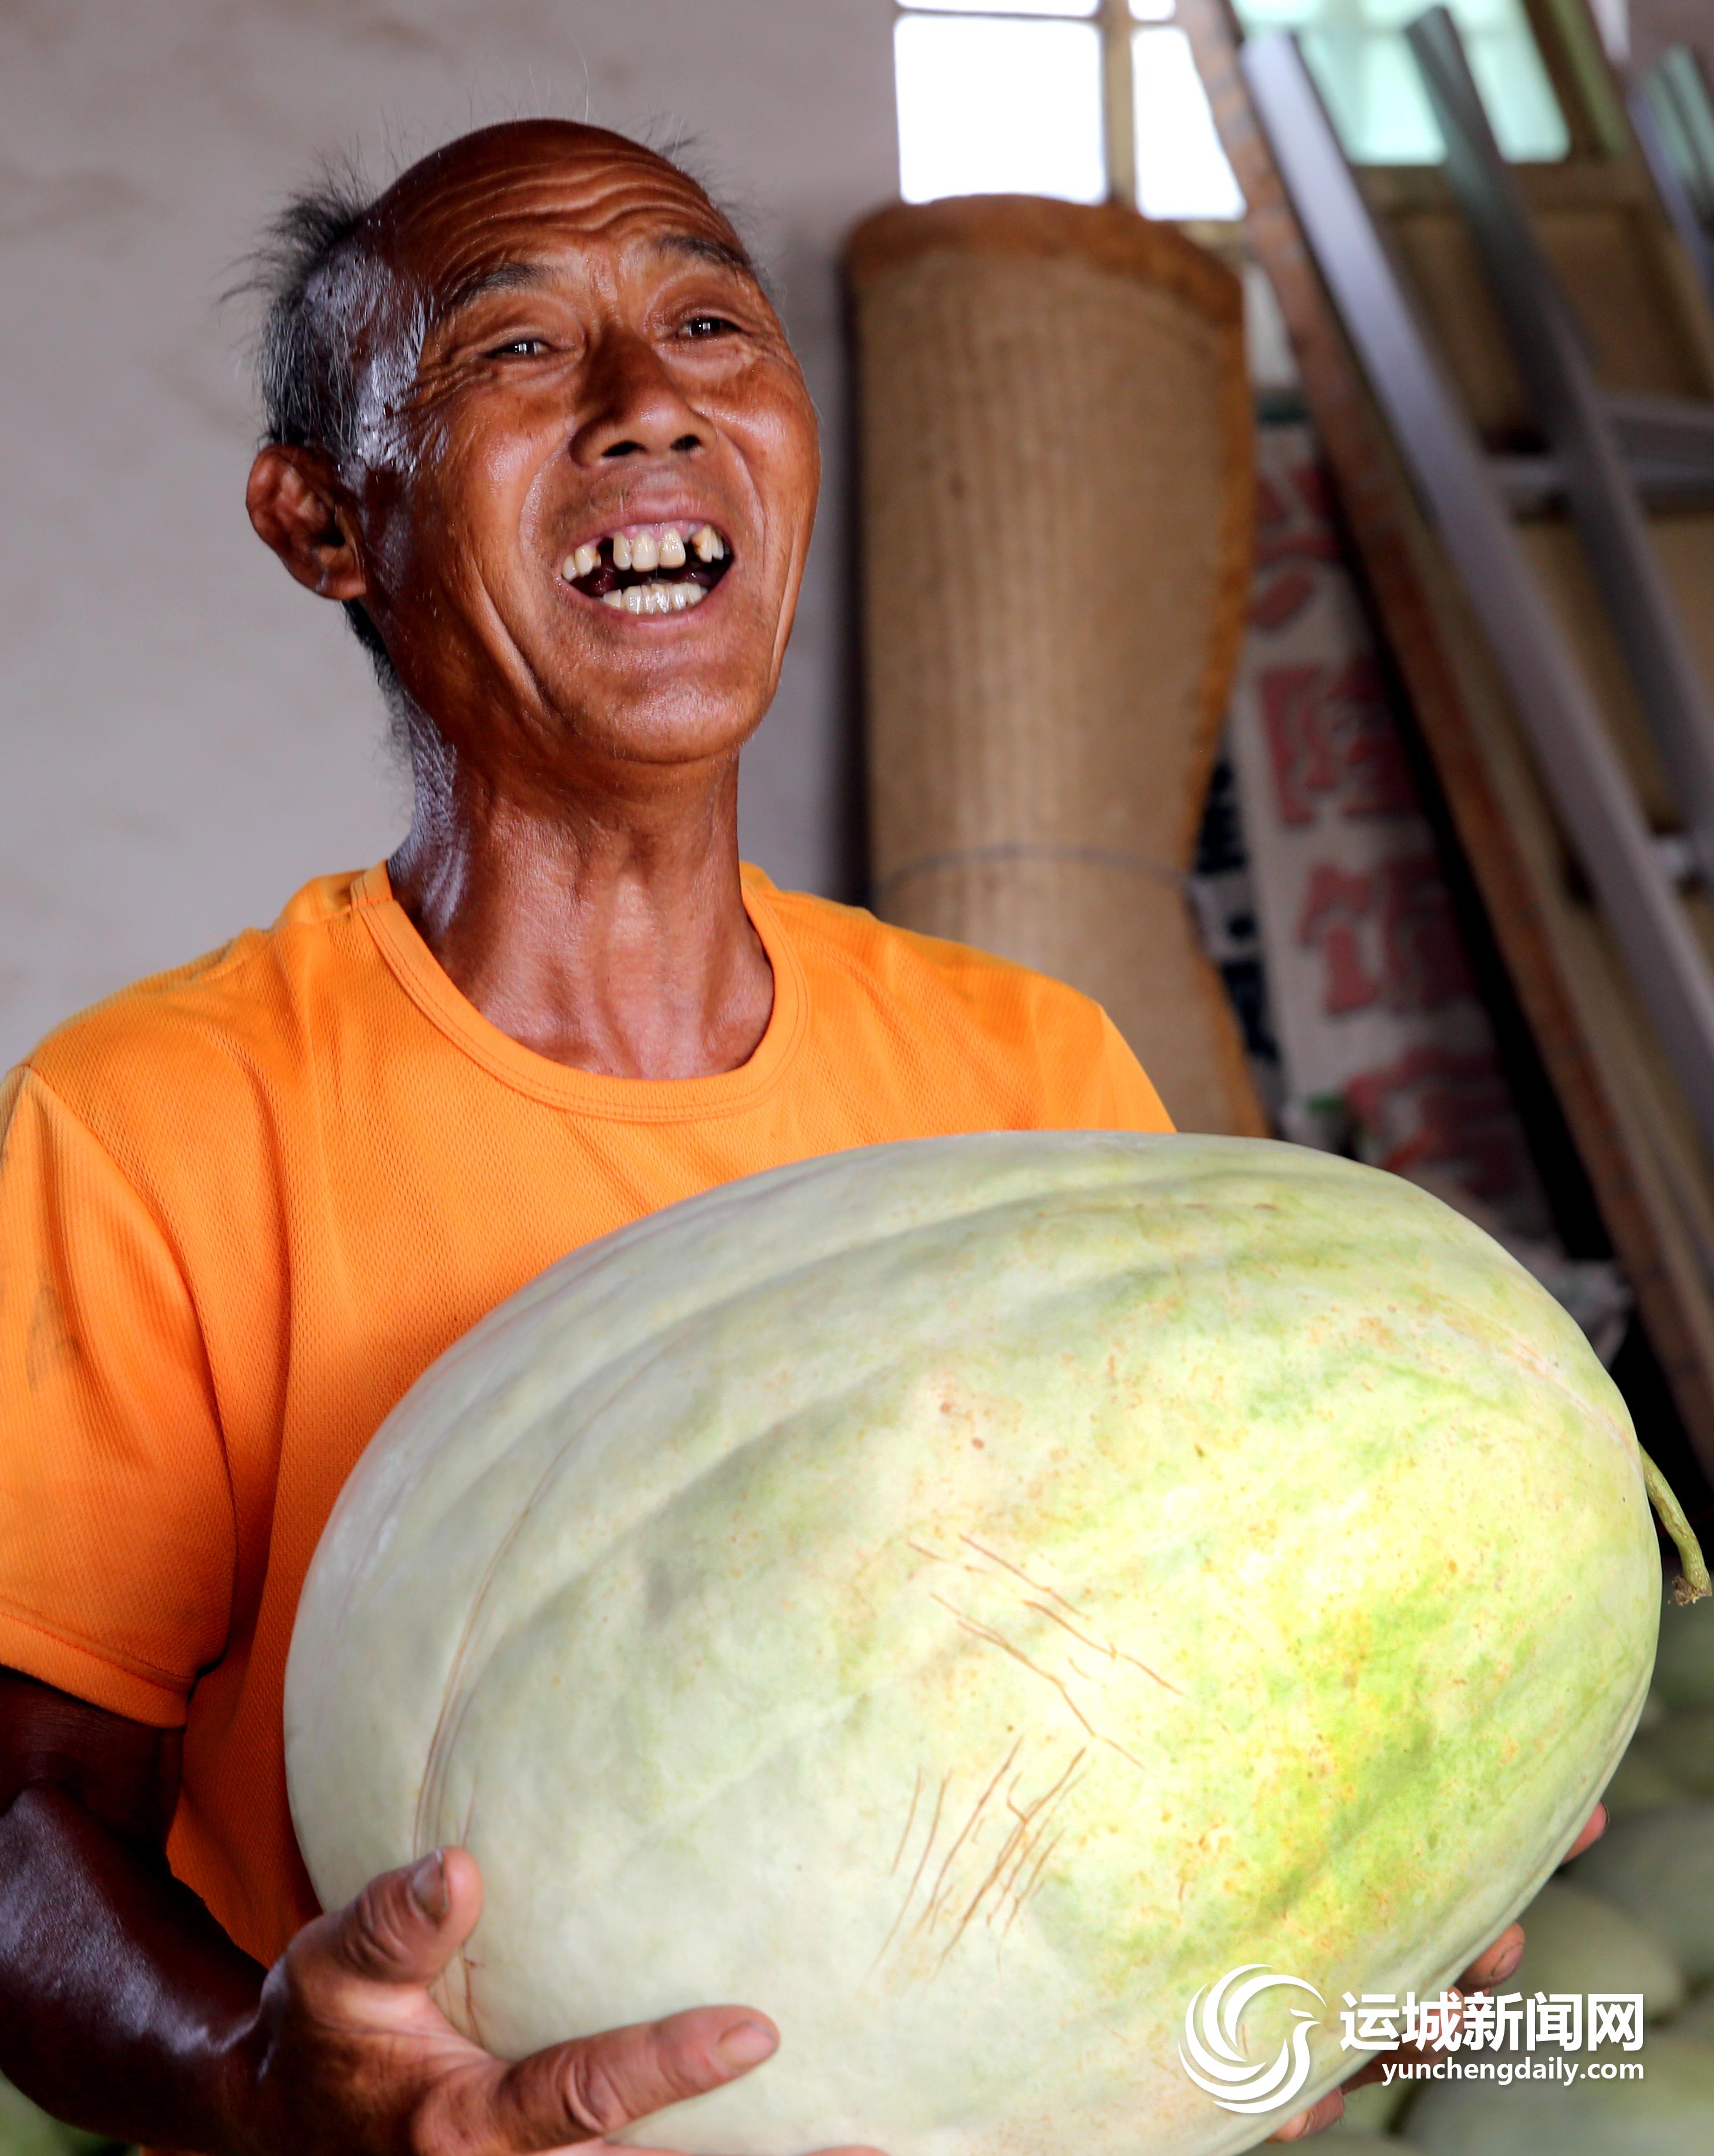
(610, 936)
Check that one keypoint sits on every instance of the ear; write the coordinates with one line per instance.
(299, 509)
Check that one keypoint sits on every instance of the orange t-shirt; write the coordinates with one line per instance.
(244, 1205)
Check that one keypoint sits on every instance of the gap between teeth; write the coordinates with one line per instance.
(647, 551)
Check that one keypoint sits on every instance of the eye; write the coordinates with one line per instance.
(708, 325)
(523, 347)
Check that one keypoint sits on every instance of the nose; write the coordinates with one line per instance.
(632, 407)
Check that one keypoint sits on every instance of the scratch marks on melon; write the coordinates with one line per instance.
(909, 1821)
(1106, 1647)
(957, 1881)
(1090, 1636)
(980, 1632)
(987, 1633)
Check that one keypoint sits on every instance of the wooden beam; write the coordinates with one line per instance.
(1118, 101)
(1648, 1178)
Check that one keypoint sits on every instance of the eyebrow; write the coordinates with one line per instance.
(706, 247)
(520, 274)
(500, 277)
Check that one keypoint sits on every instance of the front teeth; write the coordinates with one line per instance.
(655, 598)
(642, 553)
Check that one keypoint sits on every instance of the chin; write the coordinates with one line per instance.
(681, 722)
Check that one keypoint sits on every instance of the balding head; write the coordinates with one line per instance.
(537, 338)
(339, 264)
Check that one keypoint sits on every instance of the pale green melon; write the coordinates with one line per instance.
(965, 1597)
(1660, 1865)
(1669, 2113)
(26, 2130)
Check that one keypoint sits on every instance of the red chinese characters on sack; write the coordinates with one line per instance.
(1446, 1109)
(1292, 528)
(1332, 741)
(1387, 936)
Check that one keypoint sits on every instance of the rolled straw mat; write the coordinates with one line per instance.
(1055, 430)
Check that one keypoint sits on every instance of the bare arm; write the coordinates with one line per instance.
(121, 1999)
(125, 2008)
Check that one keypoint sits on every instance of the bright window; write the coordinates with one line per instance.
(995, 103)
(1357, 51)
(1181, 169)
(1083, 8)
(1016, 96)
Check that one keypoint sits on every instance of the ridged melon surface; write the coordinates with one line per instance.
(963, 1598)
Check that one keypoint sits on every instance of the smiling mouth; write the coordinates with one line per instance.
(649, 568)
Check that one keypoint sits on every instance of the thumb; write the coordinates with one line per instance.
(406, 1925)
(597, 2085)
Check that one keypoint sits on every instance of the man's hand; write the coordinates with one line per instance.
(1494, 1965)
(125, 2008)
(349, 2054)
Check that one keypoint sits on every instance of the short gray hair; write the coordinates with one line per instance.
(319, 282)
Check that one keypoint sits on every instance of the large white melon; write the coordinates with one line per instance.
(964, 1599)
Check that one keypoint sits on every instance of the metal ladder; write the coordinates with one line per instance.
(1673, 114)
(1605, 457)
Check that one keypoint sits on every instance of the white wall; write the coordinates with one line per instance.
(185, 736)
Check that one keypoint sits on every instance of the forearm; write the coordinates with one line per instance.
(123, 2005)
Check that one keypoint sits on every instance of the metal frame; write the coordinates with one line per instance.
(1669, 432)
(1670, 150)
(1578, 420)
(1676, 90)
(1666, 444)
(1118, 99)
(1633, 881)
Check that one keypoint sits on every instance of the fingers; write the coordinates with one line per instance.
(1330, 2106)
(599, 2085)
(1496, 1963)
(1592, 1832)
(406, 1925)
(1501, 1961)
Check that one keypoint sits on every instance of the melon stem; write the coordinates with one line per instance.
(1693, 1583)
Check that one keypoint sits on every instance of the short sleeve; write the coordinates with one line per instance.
(117, 1543)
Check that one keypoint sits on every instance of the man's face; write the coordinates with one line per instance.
(584, 526)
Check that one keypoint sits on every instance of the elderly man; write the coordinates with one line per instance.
(534, 423)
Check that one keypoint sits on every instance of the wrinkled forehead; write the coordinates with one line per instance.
(534, 190)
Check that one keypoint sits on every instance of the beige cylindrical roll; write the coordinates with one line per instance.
(1056, 439)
